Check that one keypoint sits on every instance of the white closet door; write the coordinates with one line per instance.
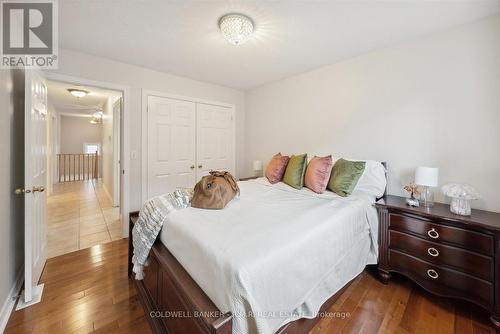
(171, 145)
(215, 139)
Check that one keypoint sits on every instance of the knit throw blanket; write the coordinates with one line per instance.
(150, 222)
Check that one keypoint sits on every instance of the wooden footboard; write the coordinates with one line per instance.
(174, 303)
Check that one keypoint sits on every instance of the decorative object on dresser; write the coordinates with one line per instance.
(461, 195)
(447, 254)
(257, 167)
(412, 188)
(428, 178)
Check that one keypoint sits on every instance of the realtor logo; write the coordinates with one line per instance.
(29, 34)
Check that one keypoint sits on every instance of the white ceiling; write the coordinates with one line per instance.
(67, 104)
(182, 37)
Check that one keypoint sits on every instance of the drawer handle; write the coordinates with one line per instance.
(433, 251)
(432, 273)
(433, 233)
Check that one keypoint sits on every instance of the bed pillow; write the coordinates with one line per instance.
(295, 170)
(318, 173)
(276, 168)
(345, 175)
(373, 181)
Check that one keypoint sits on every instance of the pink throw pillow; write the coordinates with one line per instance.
(276, 168)
(318, 173)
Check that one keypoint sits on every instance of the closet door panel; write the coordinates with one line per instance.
(215, 139)
(171, 145)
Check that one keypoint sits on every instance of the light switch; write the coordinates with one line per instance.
(133, 154)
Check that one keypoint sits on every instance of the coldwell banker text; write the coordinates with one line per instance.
(29, 34)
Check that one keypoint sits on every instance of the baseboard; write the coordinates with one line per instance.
(10, 301)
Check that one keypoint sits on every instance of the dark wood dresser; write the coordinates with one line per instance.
(446, 254)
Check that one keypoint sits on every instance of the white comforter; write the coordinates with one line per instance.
(274, 254)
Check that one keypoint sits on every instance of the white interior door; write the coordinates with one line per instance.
(215, 139)
(171, 145)
(35, 153)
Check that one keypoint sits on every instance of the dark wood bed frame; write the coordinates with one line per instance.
(174, 303)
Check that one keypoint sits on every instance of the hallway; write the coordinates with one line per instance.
(80, 215)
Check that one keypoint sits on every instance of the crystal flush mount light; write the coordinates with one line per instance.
(236, 28)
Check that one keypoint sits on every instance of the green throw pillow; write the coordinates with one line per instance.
(295, 170)
(345, 176)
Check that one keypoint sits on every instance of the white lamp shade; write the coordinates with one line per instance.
(257, 165)
(427, 176)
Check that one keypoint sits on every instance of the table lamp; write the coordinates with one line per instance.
(257, 167)
(427, 177)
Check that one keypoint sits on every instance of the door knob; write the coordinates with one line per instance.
(20, 191)
(40, 189)
(200, 166)
(192, 167)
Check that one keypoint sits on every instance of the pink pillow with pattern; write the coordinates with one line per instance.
(276, 168)
(318, 173)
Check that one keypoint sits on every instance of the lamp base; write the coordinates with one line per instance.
(427, 198)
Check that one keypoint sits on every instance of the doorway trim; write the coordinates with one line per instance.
(144, 130)
(125, 90)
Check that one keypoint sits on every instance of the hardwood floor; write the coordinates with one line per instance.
(85, 291)
(88, 291)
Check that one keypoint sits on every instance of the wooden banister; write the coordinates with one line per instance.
(77, 166)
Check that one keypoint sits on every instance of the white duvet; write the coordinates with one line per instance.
(275, 254)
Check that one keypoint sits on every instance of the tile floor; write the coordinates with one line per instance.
(80, 215)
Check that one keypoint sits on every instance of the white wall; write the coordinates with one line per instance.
(11, 177)
(429, 102)
(75, 131)
(138, 78)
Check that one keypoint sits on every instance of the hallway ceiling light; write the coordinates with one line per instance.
(78, 92)
(97, 117)
(236, 28)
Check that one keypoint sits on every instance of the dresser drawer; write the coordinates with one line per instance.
(441, 280)
(473, 263)
(467, 239)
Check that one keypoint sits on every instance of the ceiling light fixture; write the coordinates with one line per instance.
(97, 117)
(78, 92)
(236, 28)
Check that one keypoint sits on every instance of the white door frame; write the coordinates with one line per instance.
(125, 90)
(117, 116)
(144, 131)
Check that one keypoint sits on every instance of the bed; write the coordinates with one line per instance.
(267, 263)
